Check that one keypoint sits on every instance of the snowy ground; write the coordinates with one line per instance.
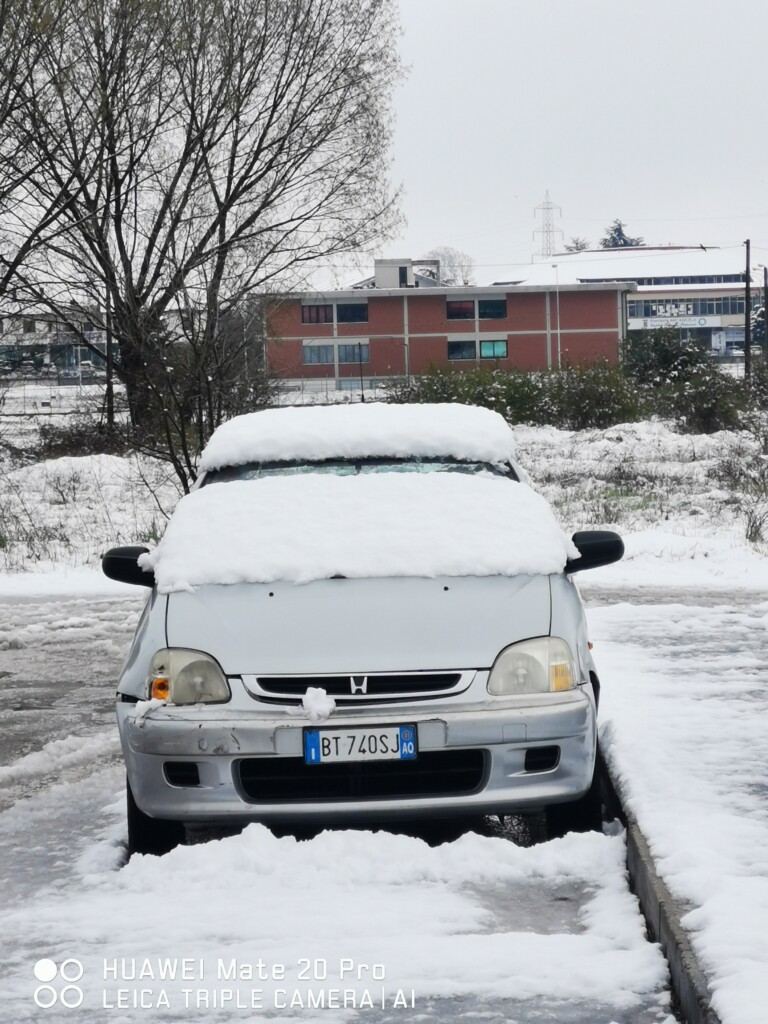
(477, 929)
(684, 733)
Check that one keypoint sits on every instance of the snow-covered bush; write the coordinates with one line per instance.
(583, 397)
(703, 401)
(657, 357)
(677, 383)
(573, 398)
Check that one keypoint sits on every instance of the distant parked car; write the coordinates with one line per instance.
(361, 613)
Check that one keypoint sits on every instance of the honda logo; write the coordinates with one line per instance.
(358, 684)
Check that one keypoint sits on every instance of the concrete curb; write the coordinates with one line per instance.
(662, 915)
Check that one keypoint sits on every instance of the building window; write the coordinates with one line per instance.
(461, 350)
(492, 309)
(28, 325)
(651, 281)
(353, 353)
(727, 305)
(493, 350)
(352, 312)
(460, 310)
(317, 314)
(487, 309)
(317, 354)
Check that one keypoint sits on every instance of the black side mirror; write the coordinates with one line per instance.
(597, 547)
(122, 564)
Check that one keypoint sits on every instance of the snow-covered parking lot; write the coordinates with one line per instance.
(475, 929)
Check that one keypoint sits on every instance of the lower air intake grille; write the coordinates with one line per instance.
(182, 773)
(541, 759)
(433, 773)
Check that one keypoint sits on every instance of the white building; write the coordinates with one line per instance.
(700, 291)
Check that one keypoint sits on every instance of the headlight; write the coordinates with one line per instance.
(187, 677)
(544, 665)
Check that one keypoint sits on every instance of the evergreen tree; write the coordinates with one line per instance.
(577, 245)
(616, 238)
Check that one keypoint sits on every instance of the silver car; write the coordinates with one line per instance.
(361, 614)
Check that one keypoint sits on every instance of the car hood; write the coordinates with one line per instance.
(359, 625)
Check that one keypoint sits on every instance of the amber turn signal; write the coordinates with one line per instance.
(160, 688)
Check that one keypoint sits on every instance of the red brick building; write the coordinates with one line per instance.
(376, 331)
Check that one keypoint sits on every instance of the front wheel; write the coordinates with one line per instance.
(151, 835)
(582, 815)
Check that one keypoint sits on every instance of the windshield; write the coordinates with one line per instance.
(354, 467)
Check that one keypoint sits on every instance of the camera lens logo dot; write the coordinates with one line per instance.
(71, 970)
(71, 996)
(45, 996)
(45, 970)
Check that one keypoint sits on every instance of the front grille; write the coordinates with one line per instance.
(432, 774)
(385, 688)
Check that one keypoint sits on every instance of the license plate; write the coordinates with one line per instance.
(389, 743)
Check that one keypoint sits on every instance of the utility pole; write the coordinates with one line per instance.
(748, 317)
(556, 269)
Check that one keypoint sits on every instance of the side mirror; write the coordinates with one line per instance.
(121, 564)
(597, 547)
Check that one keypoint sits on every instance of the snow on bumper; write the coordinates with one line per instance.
(219, 743)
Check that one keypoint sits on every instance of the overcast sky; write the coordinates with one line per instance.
(653, 111)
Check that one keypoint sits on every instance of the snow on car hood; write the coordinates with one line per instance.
(317, 526)
(360, 626)
(362, 430)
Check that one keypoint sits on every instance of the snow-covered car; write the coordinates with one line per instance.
(360, 612)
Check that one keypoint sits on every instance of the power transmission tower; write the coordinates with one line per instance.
(547, 229)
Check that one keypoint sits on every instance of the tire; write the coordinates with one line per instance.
(582, 815)
(155, 836)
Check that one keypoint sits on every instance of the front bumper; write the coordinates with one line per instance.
(217, 739)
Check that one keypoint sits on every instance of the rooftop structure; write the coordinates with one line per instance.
(697, 290)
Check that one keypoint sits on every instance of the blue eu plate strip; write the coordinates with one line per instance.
(312, 746)
(407, 743)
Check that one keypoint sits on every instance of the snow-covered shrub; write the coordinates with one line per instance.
(656, 357)
(743, 470)
(573, 398)
(758, 382)
(703, 401)
(83, 435)
(600, 395)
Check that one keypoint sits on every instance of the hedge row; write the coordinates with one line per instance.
(658, 377)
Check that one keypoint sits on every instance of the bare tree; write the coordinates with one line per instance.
(206, 150)
(456, 267)
(27, 222)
